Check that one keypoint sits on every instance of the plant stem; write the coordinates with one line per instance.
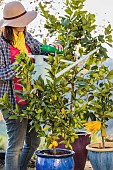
(103, 144)
(54, 150)
(72, 90)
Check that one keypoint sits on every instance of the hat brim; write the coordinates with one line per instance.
(21, 21)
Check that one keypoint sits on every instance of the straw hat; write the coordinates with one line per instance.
(15, 15)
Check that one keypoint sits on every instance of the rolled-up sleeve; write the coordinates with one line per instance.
(34, 45)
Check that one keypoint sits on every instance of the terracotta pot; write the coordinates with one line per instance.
(79, 147)
(101, 158)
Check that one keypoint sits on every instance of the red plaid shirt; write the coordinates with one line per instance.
(7, 73)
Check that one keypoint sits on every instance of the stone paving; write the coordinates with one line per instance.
(88, 166)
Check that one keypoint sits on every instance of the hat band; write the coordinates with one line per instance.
(15, 16)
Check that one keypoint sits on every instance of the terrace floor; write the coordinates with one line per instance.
(87, 167)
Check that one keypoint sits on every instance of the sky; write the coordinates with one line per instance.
(103, 9)
(104, 14)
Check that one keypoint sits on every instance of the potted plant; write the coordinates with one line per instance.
(47, 111)
(59, 106)
(76, 30)
(100, 104)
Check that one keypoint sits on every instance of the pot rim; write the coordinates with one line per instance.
(82, 132)
(94, 147)
(40, 153)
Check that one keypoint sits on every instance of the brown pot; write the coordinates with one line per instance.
(79, 147)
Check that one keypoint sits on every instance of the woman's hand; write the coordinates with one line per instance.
(58, 46)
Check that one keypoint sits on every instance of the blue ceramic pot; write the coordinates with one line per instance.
(47, 161)
(101, 159)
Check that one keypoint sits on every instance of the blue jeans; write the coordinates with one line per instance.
(22, 144)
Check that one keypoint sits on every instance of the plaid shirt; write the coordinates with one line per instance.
(6, 72)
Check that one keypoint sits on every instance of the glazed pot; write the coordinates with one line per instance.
(101, 158)
(79, 147)
(63, 160)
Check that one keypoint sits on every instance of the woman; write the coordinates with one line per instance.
(15, 39)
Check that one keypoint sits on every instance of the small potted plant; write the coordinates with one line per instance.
(100, 104)
(47, 108)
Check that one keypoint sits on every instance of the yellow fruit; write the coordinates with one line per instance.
(51, 99)
(46, 128)
(63, 111)
(50, 146)
(63, 135)
(54, 143)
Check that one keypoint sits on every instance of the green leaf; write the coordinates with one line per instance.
(2, 106)
(21, 119)
(90, 98)
(101, 38)
(13, 117)
(110, 44)
(108, 30)
(17, 108)
(5, 111)
(96, 75)
(57, 80)
(5, 98)
(68, 11)
(39, 88)
(82, 83)
(109, 114)
(110, 75)
(37, 127)
(97, 106)
(39, 111)
(109, 38)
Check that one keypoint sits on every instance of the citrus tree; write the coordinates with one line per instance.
(90, 84)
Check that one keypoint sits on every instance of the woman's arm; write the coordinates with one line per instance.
(35, 45)
(7, 73)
